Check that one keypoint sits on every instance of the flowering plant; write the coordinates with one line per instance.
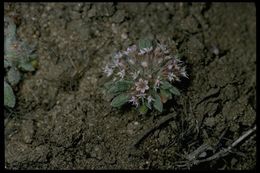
(143, 75)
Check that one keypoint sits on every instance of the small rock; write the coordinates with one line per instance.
(96, 152)
(215, 50)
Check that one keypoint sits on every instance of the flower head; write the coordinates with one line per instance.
(135, 74)
(157, 83)
(142, 85)
(121, 74)
(150, 99)
(141, 52)
(134, 101)
(108, 71)
(170, 66)
(171, 77)
(131, 49)
(118, 55)
(145, 50)
(143, 75)
(163, 48)
(183, 72)
(148, 49)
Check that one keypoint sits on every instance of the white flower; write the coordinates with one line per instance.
(142, 85)
(131, 49)
(148, 49)
(121, 73)
(116, 62)
(141, 52)
(145, 50)
(169, 66)
(177, 61)
(163, 48)
(183, 72)
(134, 101)
(135, 74)
(108, 71)
(118, 55)
(150, 99)
(157, 83)
(171, 76)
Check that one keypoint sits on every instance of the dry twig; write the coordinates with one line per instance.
(148, 131)
(219, 154)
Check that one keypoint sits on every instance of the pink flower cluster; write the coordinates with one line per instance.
(147, 68)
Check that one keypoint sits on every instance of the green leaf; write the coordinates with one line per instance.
(108, 84)
(144, 43)
(12, 57)
(120, 100)
(120, 86)
(157, 104)
(13, 76)
(174, 91)
(9, 97)
(148, 105)
(26, 66)
(167, 86)
(143, 109)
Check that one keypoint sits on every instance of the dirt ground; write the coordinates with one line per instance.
(63, 121)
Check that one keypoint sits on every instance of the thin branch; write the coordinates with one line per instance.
(225, 151)
(222, 152)
(249, 132)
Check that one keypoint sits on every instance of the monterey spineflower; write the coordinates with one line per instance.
(142, 85)
(144, 75)
(134, 101)
(108, 71)
(121, 74)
